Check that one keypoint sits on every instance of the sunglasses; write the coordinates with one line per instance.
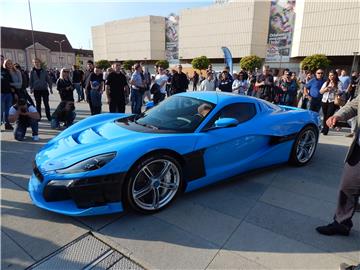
(320, 73)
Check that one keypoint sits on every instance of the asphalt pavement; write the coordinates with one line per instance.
(261, 220)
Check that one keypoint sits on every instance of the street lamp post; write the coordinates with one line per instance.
(60, 55)
(32, 29)
(354, 61)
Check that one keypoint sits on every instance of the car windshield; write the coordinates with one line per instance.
(177, 113)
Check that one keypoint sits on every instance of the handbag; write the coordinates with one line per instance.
(155, 88)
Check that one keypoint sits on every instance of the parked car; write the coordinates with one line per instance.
(109, 162)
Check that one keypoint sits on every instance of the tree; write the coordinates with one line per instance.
(200, 63)
(103, 64)
(250, 62)
(43, 65)
(314, 62)
(128, 64)
(162, 63)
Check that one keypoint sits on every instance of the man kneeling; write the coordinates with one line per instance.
(25, 116)
(65, 112)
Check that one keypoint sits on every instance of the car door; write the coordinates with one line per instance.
(231, 150)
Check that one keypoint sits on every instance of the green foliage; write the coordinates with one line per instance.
(162, 63)
(127, 65)
(103, 64)
(200, 63)
(250, 62)
(314, 62)
(43, 65)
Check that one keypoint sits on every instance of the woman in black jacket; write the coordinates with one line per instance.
(64, 86)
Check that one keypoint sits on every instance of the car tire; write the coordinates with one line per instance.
(304, 146)
(153, 183)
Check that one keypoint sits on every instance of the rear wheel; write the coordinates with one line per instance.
(154, 183)
(304, 147)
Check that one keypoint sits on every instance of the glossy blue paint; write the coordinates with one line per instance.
(67, 207)
(228, 151)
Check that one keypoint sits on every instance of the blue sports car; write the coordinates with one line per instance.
(108, 162)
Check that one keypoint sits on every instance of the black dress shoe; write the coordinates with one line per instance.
(334, 228)
(8, 126)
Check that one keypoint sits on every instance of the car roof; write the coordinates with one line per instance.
(217, 97)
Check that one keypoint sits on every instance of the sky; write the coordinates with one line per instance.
(75, 18)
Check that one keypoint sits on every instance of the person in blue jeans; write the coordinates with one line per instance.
(137, 83)
(65, 112)
(97, 86)
(25, 115)
(312, 90)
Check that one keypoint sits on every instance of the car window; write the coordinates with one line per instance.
(240, 111)
(177, 113)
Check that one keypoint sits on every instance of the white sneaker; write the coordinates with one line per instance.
(36, 138)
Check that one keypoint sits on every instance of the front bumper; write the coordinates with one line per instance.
(72, 205)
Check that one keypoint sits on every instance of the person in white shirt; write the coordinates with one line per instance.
(209, 84)
(236, 84)
(25, 115)
(161, 80)
(329, 89)
(244, 84)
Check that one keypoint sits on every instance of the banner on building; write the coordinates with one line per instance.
(228, 58)
(281, 26)
(172, 38)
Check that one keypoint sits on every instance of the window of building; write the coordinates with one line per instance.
(70, 59)
(21, 57)
(9, 55)
(54, 58)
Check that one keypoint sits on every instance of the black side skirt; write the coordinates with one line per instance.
(280, 139)
(194, 165)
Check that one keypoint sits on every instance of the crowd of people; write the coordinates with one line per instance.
(310, 90)
(313, 91)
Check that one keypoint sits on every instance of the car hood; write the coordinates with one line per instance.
(86, 140)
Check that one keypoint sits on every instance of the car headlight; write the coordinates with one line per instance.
(89, 164)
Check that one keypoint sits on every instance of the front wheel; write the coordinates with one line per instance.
(154, 183)
(304, 147)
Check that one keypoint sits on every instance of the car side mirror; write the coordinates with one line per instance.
(226, 122)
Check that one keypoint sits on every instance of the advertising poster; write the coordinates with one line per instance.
(172, 38)
(281, 26)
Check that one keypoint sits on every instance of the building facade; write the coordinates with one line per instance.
(240, 26)
(332, 29)
(282, 32)
(17, 45)
(141, 38)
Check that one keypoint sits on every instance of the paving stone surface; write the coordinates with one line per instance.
(261, 220)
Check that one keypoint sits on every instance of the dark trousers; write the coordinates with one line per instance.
(68, 121)
(315, 104)
(328, 109)
(6, 102)
(44, 95)
(79, 91)
(117, 104)
(88, 99)
(21, 126)
(158, 97)
(95, 97)
(349, 189)
(288, 99)
(136, 101)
